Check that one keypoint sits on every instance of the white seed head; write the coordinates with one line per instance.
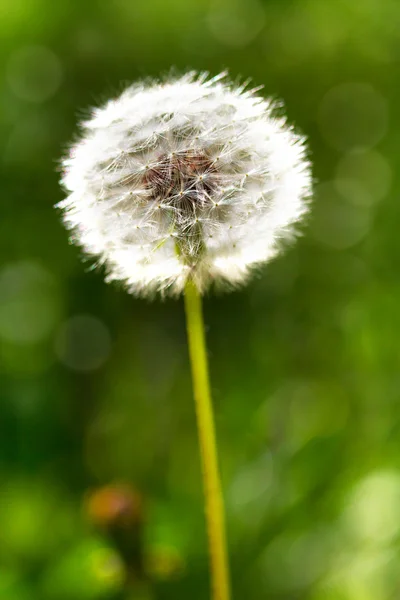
(187, 178)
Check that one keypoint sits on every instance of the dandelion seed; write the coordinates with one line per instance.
(199, 157)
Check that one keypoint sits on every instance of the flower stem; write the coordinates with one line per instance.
(208, 449)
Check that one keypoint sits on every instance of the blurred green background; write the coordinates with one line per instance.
(100, 488)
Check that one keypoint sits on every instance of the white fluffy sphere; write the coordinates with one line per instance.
(188, 178)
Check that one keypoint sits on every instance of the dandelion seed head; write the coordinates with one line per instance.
(186, 178)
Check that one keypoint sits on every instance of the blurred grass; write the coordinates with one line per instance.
(95, 385)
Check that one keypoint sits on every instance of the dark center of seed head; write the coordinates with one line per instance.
(182, 176)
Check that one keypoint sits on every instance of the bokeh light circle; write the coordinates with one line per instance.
(335, 222)
(83, 343)
(29, 302)
(34, 73)
(353, 115)
(367, 168)
(235, 23)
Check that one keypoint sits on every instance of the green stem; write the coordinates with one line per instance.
(208, 449)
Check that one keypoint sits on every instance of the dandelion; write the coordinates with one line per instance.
(178, 185)
(192, 179)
